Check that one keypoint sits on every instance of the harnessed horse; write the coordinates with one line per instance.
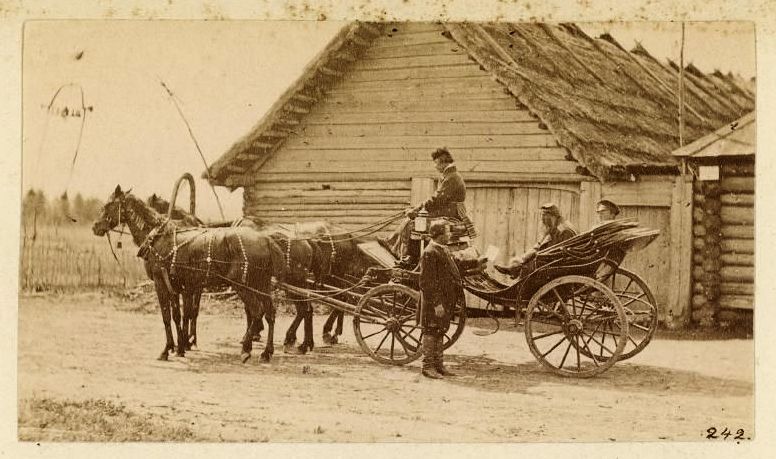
(183, 260)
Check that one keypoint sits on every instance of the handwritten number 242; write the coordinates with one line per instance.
(725, 433)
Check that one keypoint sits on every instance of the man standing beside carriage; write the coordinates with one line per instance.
(441, 288)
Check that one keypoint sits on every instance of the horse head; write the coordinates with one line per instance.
(112, 213)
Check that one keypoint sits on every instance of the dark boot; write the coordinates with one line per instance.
(439, 358)
(429, 357)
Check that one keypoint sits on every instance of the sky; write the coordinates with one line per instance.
(225, 76)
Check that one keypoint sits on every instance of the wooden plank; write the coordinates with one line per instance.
(737, 259)
(343, 205)
(424, 154)
(423, 84)
(401, 40)
(737, 215)
(386, 195)
(422, 189)
(738, 199)
(651, 194)
(342, 117)
(744, 169)
(738, 231)
(439, 60)
(418, 49)
(738, 184)
(330, 166)
(485, 177)
(334, 185)
(409, 105)
(324, 214)
(420, 141)
(736, 302)
(737, 245)
(680, 248)
(737, 274)
(416, 129)
(437, 73)
(427, 95)
(402, 28)
(590, 194)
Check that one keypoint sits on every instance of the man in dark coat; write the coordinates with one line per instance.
(556, 230)
(441, 288)
(447, 201)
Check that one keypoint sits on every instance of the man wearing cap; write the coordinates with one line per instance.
(441, 289)
(447, 201)
(556, 230)
(606, 211)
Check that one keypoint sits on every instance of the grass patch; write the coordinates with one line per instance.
(45, 419)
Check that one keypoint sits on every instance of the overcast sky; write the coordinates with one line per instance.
(226, 75)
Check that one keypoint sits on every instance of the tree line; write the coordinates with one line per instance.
(38, 209)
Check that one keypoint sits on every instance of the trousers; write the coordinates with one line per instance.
(433, 348)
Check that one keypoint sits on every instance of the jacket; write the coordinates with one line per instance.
(449, 196)
(440, 284)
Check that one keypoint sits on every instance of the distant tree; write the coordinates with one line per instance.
(34, 207)
(78, 208)
(60, 211)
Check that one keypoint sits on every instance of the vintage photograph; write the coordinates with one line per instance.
(354, 231)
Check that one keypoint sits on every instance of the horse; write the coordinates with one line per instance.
(320, 249)
(183, 260)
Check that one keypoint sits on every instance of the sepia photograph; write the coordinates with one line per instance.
(370, 231)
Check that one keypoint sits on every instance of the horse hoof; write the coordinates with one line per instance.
(327, 338)
(265, 358)
(302, 349)
(290, 349)
(245, 356)
(334, 340)
(162, 357)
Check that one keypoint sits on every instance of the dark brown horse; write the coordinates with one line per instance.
(319, 250)
(183, 260)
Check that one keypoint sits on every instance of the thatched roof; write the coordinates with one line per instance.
(734, 139)
(615, 111)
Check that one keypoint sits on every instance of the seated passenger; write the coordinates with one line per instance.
(606, 211)
(556, 229)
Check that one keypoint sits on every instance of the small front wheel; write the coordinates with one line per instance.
(384, 324)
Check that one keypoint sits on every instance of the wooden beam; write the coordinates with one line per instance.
(590, 194)
(681, 249)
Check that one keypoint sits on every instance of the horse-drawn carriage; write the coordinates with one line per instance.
(580, 311)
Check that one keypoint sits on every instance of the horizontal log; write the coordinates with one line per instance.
(698, 198)
(430, 142)
(418, 49)
(738, 245)
(737, 288)
(433, 61)
(342, 205)
(736, 302)
(738, 184)
(433, 94)
(422, 84)
(698, 230)
(387, 195)
(335, 185)
(731, 170)
(699, 301)
(445, 128)
(737, 259)
(737, 215)
(737, 274)
(495, 177)
(559, 167)
(737, 199)
(734, 315)
(697, 258)
(738, 231)
(402, 40)
(438, 72)
(324, 214)
(408, 105)
(424, 154)
(342, 117)
(698, 272)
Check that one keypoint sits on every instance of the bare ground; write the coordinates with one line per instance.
(92, 350)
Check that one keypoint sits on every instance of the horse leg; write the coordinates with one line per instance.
(340, 315)
(290, 340)
(183, 336)
(250, 314)
(192, 331)
(307, 342)
(175, 304)
(258, 326)
(269, 313)
(165, 304)
(327, 326)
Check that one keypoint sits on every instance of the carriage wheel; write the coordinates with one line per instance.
(457, 324)
(640, 307)
(384, 324)
(564, 326)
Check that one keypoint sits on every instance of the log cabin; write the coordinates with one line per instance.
(531, 112)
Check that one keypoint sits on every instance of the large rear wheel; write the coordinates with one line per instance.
(640, 307)
(566, 326)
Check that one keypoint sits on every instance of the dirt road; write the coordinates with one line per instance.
(86, 348)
